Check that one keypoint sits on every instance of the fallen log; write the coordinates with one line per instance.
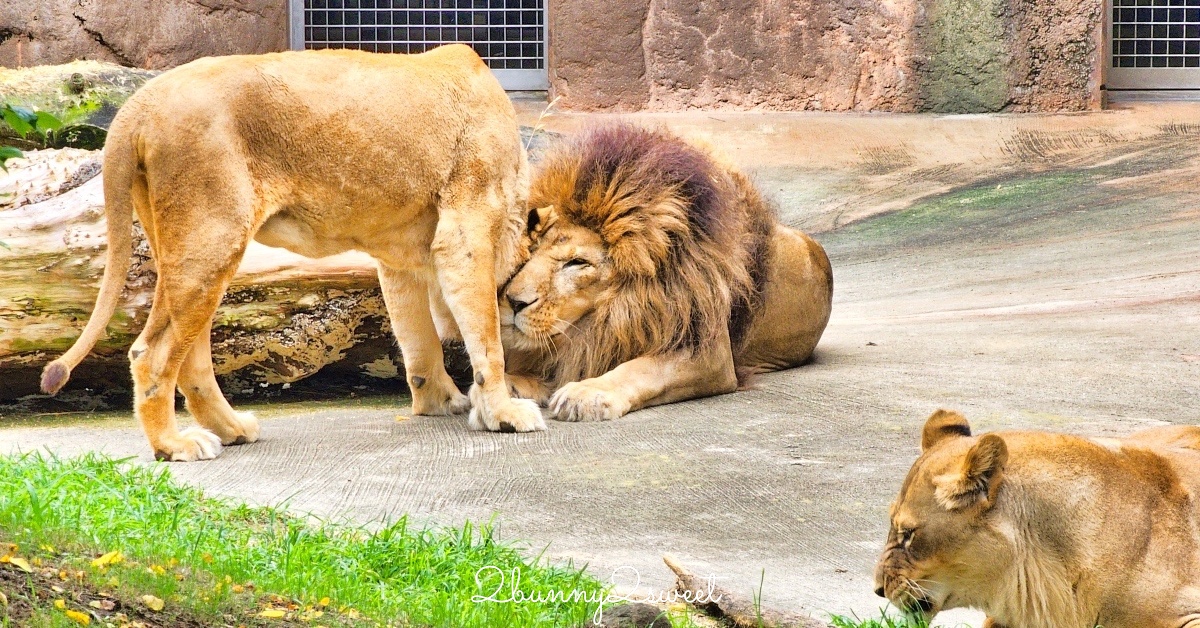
(721, 604)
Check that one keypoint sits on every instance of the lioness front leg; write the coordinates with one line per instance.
(406, 295)
(647, 381)
(464, 257)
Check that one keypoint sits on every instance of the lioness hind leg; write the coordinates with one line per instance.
(464, 257)
(406, 294)
(205, 402)
(155, 359)
(197, 250)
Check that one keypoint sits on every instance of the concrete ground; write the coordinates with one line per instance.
(1031, 271)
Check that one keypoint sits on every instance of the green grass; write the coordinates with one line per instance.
(208, 555)
(883, 621)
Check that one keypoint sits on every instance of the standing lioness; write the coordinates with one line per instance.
(415, 160)
(1049, 530)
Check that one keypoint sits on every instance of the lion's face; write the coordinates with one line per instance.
(567, 271)
(941, 539)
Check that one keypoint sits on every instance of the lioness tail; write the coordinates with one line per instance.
(120, 162)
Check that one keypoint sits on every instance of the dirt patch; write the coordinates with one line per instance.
(27, 592)
(42, 588)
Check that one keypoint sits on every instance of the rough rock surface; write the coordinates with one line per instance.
(155, 34)
(798, 54)
(670, 55)
(832, 55)
(63, 89)
(596, 58)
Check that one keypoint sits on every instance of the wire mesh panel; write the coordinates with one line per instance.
(1155, 44)
(510, 35)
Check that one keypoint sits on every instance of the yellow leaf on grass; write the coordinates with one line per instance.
(21, 563)
(152, 603)
(80, 618)
(324, 602)
(60, 604)
(3, 599)
(110, 558)
(272, 613)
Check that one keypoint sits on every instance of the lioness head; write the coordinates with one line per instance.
(942, 532)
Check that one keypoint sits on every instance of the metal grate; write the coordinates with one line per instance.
(510, 35)
(1156, 33)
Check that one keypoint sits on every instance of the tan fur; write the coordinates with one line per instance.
(413, 159)
(1044, 530)
(632, 304)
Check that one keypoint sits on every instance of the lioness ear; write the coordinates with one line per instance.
(978, 477)
(941, 425)
(540, 219)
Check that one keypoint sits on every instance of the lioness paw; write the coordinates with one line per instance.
(518, 415)
(249, 429)
(581, 401)
(192, 444)
(440, 401)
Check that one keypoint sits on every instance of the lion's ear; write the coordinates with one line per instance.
(941, 425)
(978, 476)
(540, 219)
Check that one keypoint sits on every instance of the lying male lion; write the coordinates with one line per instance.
(1049, 530)
(414, 159)
(656, 274)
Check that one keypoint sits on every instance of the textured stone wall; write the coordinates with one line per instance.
(668, 55)
(155, 34)
(834, 55)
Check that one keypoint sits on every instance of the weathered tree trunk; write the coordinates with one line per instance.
(284, 318)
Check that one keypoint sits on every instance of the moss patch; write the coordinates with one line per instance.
(964, 42)
(977, 210)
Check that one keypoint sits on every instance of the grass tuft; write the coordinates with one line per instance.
(883, 621)
(395, 574)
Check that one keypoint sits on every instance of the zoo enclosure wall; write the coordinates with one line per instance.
(669, 55)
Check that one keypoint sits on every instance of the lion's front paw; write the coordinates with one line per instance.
(516, 415)
(585, 401)
(192, 444)
(528, 387)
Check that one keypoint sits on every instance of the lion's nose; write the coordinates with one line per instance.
(517, 304)
(879, 592)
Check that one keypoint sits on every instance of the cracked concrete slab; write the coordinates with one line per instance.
(1031, 271)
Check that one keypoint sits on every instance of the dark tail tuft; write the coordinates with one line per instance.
(54, 377)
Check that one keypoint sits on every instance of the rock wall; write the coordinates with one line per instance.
(154, 34)
(669, 55)
(832, 55)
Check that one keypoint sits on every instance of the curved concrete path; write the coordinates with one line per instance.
(1033, 272)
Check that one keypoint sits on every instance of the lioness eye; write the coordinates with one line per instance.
(577, 262)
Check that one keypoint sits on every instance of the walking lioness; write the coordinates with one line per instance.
(1048, 530)
(415, 160)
